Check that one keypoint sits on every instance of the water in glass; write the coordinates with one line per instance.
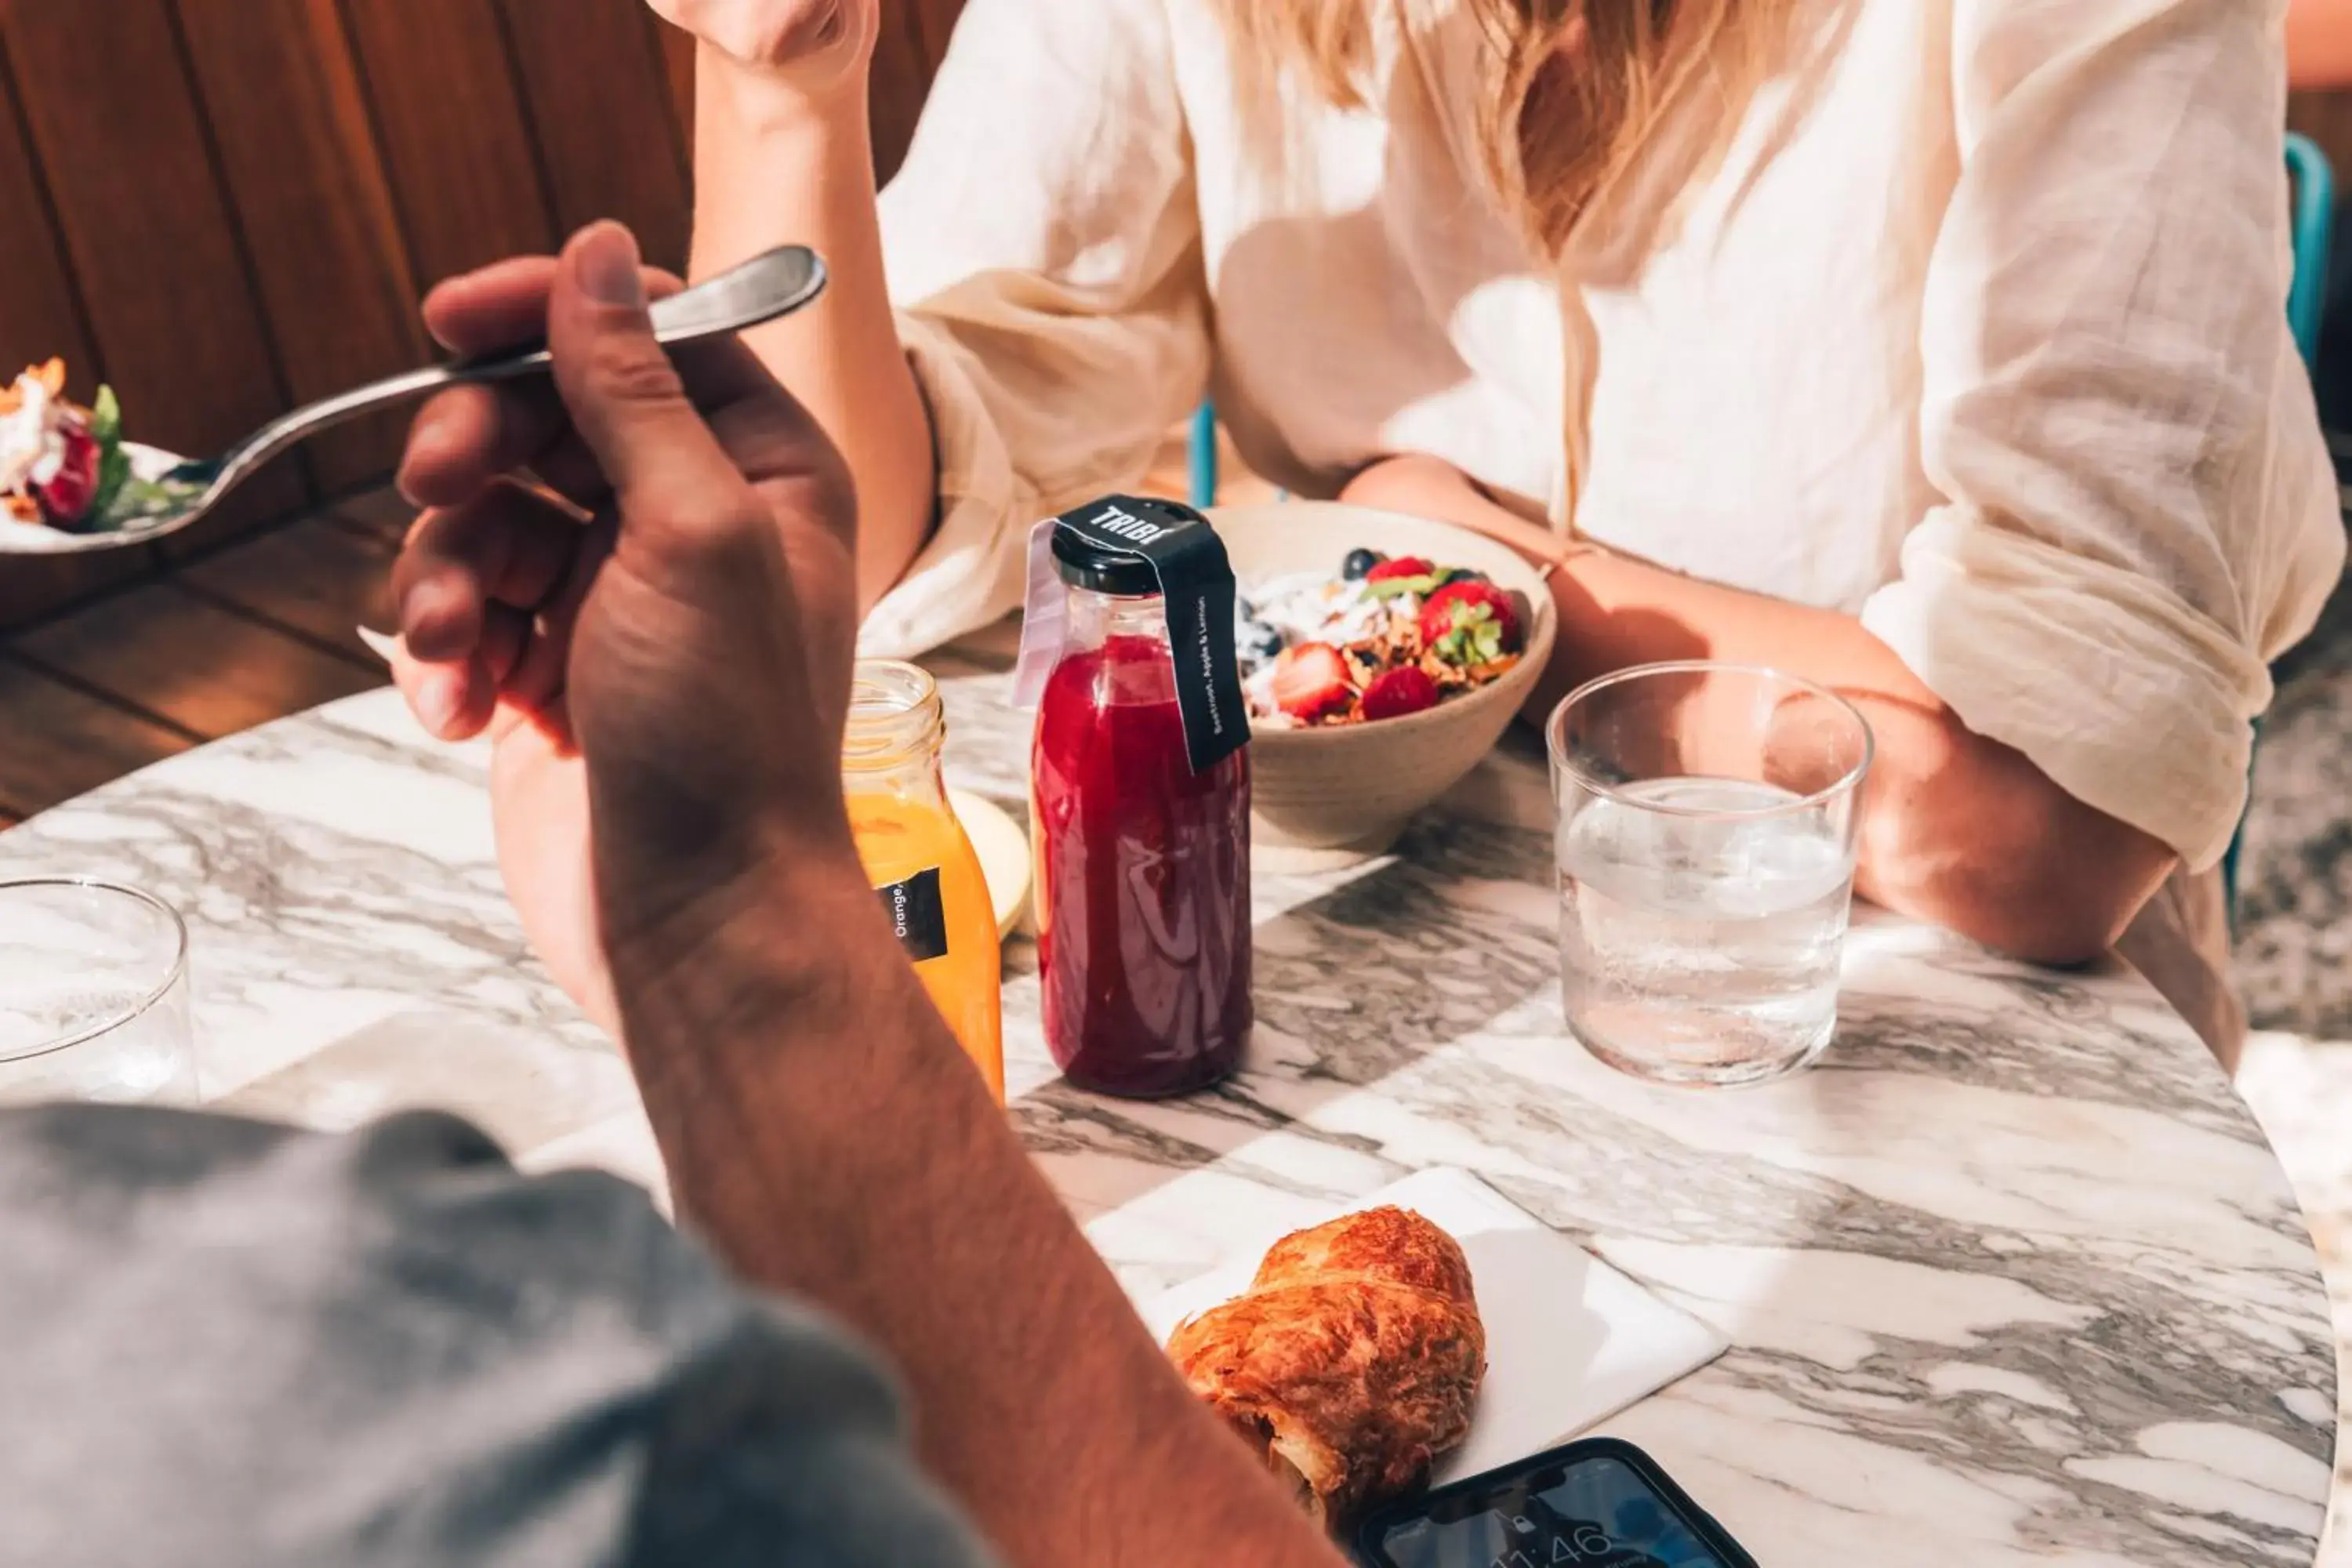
(1702, 947)
(1707, 817)
(93, 995)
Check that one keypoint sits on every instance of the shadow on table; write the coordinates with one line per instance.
(1358, 984)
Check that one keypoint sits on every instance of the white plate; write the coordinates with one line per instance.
(1004, 851)
(1569, 1340)
(39, 539)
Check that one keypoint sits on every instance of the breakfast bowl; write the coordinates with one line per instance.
(1328, 795)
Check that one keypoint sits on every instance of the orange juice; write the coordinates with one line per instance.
(917, 857)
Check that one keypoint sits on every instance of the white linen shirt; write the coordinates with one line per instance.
(1976, 330)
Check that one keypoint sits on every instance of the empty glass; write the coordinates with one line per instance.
(1706, 853)
(93, 995)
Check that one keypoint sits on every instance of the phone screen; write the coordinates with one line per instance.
(1596, 1513)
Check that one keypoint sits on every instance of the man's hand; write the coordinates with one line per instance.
(668, 656)
(674, 672)
(814, 44)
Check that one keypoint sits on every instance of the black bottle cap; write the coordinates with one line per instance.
(1084, 561)
(1135, 547)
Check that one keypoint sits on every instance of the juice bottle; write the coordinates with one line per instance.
(1142, 887)
(917, 857)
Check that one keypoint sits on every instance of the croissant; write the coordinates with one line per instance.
(1351, 1362)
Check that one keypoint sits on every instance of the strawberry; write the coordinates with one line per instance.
(1397, 693)
(1402, 566)
(1471, 622)
(66, 499)
(1312, 680)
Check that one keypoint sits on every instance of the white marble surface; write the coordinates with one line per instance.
(2012, 1277)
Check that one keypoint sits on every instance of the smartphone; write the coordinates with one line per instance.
(1595, 1503)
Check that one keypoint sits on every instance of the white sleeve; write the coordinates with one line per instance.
(2140, 513)
(1043, 246)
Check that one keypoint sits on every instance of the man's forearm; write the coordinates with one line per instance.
(773, 166)
(825, 1134)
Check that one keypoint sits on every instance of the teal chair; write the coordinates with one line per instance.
(1204, 456)
(2315, 241)
(2306, 307)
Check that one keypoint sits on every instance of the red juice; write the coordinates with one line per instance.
(1143, 892)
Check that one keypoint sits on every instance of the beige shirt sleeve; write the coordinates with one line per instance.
(1044, 244)
(2135, 523)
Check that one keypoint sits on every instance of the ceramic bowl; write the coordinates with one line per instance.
(1329, 796)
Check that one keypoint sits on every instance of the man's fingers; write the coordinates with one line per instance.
(627, 401)
(466, 436)
(505, 303)
(495, 306)
(505, 546)
(456, 700)
(536, 683)
(438, 694)
(469, 435)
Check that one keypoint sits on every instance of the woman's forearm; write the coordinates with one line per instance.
(1958, 829)
(774, 166)
(2319, 44)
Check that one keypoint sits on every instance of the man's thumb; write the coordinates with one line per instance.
(624, 396)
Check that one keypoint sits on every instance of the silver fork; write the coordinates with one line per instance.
(760, 290)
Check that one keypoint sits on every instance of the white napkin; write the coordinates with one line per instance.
(1569, 1340)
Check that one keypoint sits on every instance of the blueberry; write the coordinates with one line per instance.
(1258, 642)
(1358, 563)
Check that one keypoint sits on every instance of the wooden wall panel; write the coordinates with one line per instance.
(40, 316)
(39, 313)
(934, 21)
(677, 47)
(465, 178)
(149, 236)
(914, 39)
(2326, 118)
(600, 100)
(901, 77)
(283, 98)
(224, 206)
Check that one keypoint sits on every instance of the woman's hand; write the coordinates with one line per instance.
(814, 44)
(665, 682)
(1415, 485)
(1420, 485)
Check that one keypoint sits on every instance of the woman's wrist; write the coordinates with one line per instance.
(1429, 486)
(787, 100)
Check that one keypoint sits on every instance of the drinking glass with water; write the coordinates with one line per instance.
(93, 995)
(1706, 852)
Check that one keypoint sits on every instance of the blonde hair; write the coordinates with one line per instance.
(1577, 87)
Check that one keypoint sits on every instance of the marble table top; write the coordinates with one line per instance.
(2011, 1277)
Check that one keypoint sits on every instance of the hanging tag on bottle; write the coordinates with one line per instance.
(1043, 611)
(1196, 586)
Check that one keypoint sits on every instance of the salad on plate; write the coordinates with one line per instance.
(66, 472)
(61, 465)
(1382, 640)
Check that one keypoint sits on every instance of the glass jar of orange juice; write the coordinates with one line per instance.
(917, 856)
